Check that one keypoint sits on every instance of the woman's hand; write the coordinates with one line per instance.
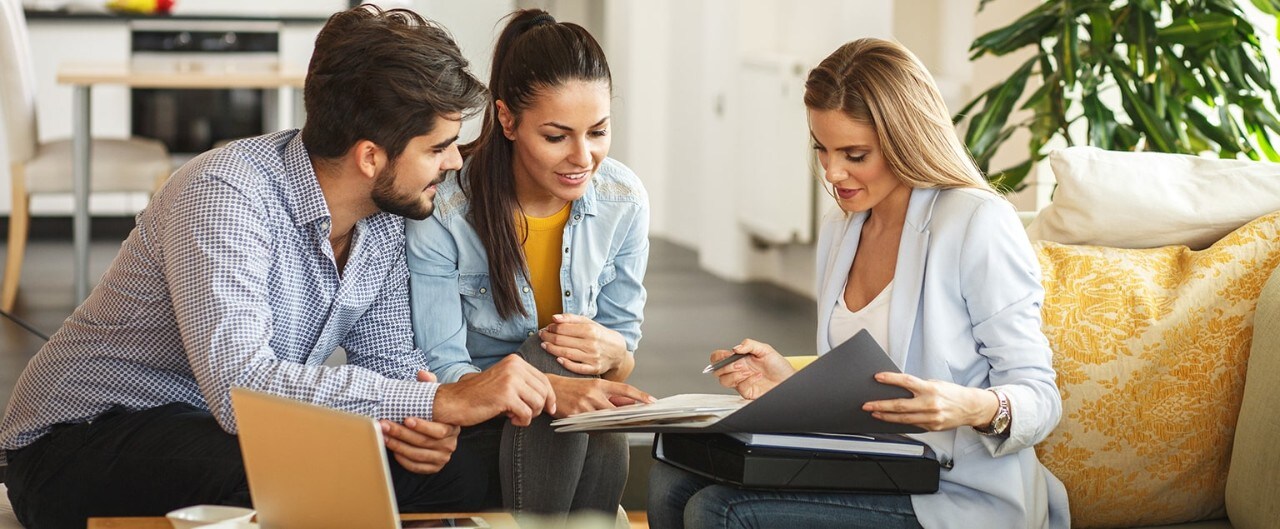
(579, 395)
(936, 405)
(584, 346)
(756, 375)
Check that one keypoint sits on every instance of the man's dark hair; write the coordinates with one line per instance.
(383, 76)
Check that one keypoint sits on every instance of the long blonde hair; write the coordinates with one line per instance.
(883, 85)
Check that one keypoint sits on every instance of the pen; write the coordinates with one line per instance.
(724, 362)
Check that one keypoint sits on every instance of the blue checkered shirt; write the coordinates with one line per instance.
(228, 279)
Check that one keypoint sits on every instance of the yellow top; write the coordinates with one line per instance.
(542, 251)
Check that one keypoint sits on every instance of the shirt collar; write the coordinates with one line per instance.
(587, 204)
(304, 196)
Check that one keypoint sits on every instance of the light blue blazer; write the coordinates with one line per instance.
(965, 308)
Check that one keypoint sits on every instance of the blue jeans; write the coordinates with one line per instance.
(679, 499)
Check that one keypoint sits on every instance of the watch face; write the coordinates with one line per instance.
(1001, 422)
(1002, 417)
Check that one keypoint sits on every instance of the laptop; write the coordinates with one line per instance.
(312, 467)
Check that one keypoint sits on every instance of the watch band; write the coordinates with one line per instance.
(1000, 423)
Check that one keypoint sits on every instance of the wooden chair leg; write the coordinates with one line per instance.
(19, 219)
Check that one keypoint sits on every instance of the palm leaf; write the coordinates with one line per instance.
(1148, 120)
(987, 123)
(1199, 30)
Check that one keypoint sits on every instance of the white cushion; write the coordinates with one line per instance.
(118, 165)
(1148, 200)
(7, 519)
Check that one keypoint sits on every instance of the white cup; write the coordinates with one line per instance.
(231, 524)
(201, 515)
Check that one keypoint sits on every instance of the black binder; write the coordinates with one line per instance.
(727, 460)
(825, 397)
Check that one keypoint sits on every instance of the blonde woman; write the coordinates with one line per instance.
(934, 264)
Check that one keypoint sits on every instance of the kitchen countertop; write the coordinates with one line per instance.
(106, 16)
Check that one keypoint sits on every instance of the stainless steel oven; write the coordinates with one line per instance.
(192, 120)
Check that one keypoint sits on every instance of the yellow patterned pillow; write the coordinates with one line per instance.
(1151, 348)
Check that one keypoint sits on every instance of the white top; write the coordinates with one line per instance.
(874, 318)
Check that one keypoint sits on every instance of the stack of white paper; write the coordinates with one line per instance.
(693, 409)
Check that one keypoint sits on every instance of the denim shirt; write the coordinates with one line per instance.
(605, 254)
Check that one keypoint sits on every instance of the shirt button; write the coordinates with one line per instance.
(577, 217)
(566, 293)
(566, 249)
(530, 333)
(526, 290)
(483, 290)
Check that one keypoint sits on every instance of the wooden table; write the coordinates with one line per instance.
(498, 520)
(83, 76)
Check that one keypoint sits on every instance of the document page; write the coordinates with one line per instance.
(691, 409)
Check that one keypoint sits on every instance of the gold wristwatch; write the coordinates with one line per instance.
(1000, 423)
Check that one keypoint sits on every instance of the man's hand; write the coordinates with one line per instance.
(511, 387)
(583, 346)
(578, 395)
(420, 446)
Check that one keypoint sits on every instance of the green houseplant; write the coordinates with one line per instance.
(1181, 76)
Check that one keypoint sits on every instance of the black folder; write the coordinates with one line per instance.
(825, 397)
(727, 460)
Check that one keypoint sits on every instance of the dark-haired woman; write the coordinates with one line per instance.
(538, 248)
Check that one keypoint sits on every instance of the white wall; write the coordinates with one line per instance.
(678, 112)
(475, 26)
(678, 109)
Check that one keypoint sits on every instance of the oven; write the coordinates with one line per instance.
(191, 121)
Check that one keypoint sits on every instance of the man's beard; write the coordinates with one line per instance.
(408, 204)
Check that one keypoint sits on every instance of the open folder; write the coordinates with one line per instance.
(827, 396)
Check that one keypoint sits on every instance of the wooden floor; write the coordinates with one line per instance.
(689, 313)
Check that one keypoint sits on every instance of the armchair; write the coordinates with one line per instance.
(119, 165)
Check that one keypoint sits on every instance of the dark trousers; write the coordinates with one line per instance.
(149, 462)
(549, 473)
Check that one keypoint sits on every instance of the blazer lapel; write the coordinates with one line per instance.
(908, 275)
(837, 272)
